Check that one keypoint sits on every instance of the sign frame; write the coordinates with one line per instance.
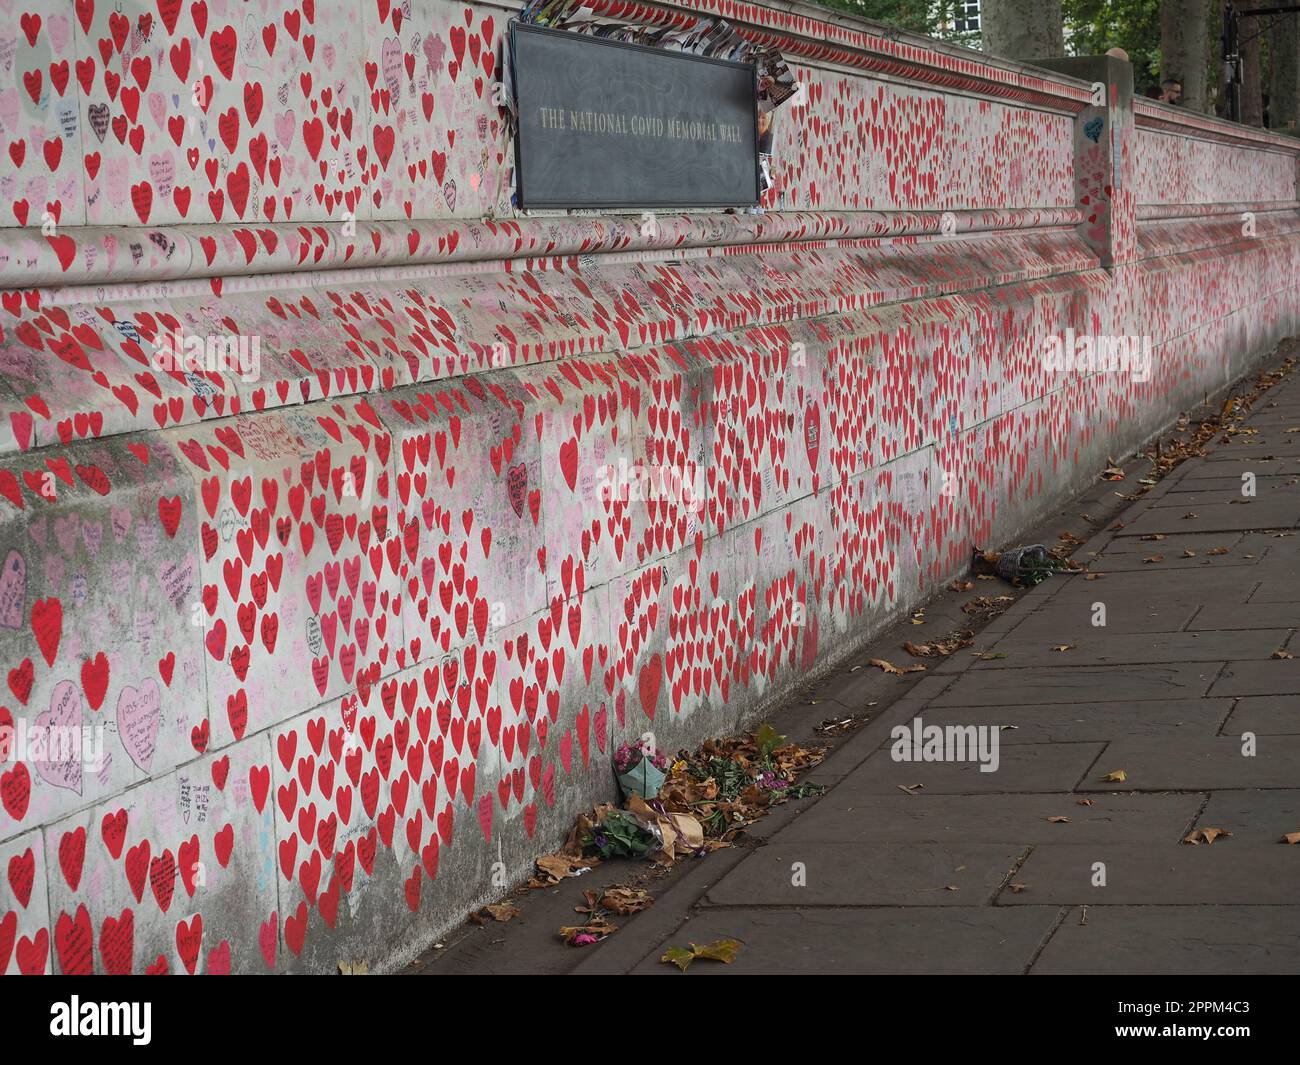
(596, 205)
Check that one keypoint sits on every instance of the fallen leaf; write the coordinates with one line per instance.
(911, 789)
(1063, 647)
(354, 968)
(1117, 777)
(940, 646)
(552, 868)
(1018, 887)
(1154, 558)
(1204, 835)
(499, 911)
(1218, 551)
(1282, 654)
(889, 667)
(1058, 820)
(723, 950)
(1084, 802)
(1292, 838)
(626, 900)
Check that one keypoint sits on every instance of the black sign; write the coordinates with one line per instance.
(608, 124)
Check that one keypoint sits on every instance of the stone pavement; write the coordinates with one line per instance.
(937, 867)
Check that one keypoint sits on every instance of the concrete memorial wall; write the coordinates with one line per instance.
(354, 616)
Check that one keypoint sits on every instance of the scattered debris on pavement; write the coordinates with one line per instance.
(838, 726)
(699, 803)
(940, 646)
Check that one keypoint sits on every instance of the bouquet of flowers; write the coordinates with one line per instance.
(640, 770)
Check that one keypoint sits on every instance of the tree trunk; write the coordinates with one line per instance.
(1252, 100)
(1284, 82)
(1022, 29)
(1183, 34)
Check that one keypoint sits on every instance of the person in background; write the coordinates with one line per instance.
(1171, 92)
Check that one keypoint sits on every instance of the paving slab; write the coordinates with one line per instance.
(1262, 512)
(867, 874)
(1137, 546)
(1233, 466)
(1020, 767)
(902, 941)
(1019, 819)
(1072, 684)
(1245, 616)
(1242, 449)
(1277, 588)
(1166, 614)
(1265, 715)
(1195, 763)
(1169, 874)
(1154, 584)
(1262, 816)
(1100, 648)
(1090, 721)
(1169, 555)
(1277, 677)
(1223, 490)
(1175, 941)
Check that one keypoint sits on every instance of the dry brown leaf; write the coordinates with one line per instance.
(1058, 820)
(1205, 835)
(1218, 551)
(1188, 553)
(1084, 802)
(1063, 647)
(626, 900)
(940, 646)
(1117, 777)
(497, 911)
(1018, 887)
(1292, 838)
(1282, 655)
(889, 667)
(1153, 536)
(552, 868)
(1154, 558)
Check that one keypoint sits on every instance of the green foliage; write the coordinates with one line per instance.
(1093, 26)
(620, 835)
(934, 18)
